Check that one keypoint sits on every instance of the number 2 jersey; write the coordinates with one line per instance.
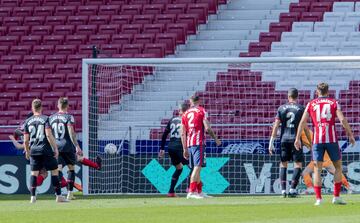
(290, 116)
(323, 113)
(193, 121)
(59, 123)
(174, 128)
(35, 127)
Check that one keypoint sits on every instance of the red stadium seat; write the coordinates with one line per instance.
(87, 10)
(77, 20)
(33, 78)
(66, 68)
(52, 2)
(153, 9)
(175, 8)
(53, 40)
(157, 48)
(142, 2)
(270, 36)
(321, 6)
(74, 2)
(14, 59)
(143, 19)
(18, 30)
(109, 29)
(40, 87)
(65, 29)
(9, 115)
(110, 48)
(153, 28)
(63, 87)
(180, 29)
(201, 9)
(65, 49)
(4, 50)
(43, 49)
(169, 39)
(99, 39)
(30, 40)
(144, 38)
(131, 9)
(20, 50)
(16, 87)
(53, 96)
(10, 78)
(161, 1)
(122, 38)
(33, 59)
(23, 11)
(5, 69)
(18, 106)
(8, 40)
(3, 30)
(75, 95)
(165, 18)
(12, 21)
(55, 20)
(259, 46)
(86, 29)
(250, 54)
(44, 68)
(76, 58)
(118, 2)
(191, 20)
(99, 20)
(131, 28)
(34, 21)
(31, 2)
(8, 96)
(44, 10)
(213, 5)
(109, 9)
(29, 96)
(75, 39)
(85, 49)
(65, 10)
(48, 105)
(6, 11)
(41, 30)
(73, 78)
(280, 26)
(299, 7)
(55, 59)
(54, 78)
(121, 19)
(132, 48)
(96, 2)
(312, 16)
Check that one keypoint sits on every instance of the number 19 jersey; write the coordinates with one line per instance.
(290, 116)
(323, 113)
(59, 123)
(193, 120)
(35, 127)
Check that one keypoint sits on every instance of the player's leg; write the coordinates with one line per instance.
(306, 174)
(52, 165)
(176, 160)
(36, 163)
(61, 164)
(196, 164)
(41, 177)
(298, 157)
(85, 161)
(331, 169)
(70, 159)
(318, 158)
(285, 156)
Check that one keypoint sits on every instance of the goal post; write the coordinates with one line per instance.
(136, 97)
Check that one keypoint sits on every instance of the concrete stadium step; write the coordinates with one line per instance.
(123, 126)
(222, 35)
(161, 96)
(234, 24)
(169, 85)
(202, 53)
(213, 45)
(257, 5)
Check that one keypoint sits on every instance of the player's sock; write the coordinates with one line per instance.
(40, 180)
(317, 190)
(193, 187)
(283, 173)
(308, 181)
(63, 182)
(90, 163)
(174, 180)
(199, 187)
(189, 180)
(71, 179)
(33, 184)
(56, 184)
(337, 189)
(295, 178)
(345, 182)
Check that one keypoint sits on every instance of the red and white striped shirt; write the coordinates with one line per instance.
(192, 120)
(323, 113)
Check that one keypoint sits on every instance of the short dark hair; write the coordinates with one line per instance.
(293, 93)
(36, 105)
(323, 88)
(195, 98)
(63, 102)
(183, 106)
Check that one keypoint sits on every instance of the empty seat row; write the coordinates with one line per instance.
(320, 36)
(26, 105)
(40, 78)
(316, 75)
(310, 7)
(310, 53)
(342, 16)
(325, 26)
(315, 46)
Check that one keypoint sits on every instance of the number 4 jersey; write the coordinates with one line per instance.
(35, 126)
(323, 113)
(290, 116)
(59, 123)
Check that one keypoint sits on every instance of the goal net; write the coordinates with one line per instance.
(127, 103)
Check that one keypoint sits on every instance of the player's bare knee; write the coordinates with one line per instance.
(298, 165)
(284, 164)
(71, 167)
(55, 172)
(34, 173)
(179, 166)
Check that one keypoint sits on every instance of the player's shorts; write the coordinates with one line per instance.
(177, 157)
(332, 149)
(66, 158)
(289, 153)
(197, 156)
(38, 162)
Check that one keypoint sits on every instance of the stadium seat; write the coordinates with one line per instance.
(311, 16)
(281, 46)
(66, 29)
(76, 58)
(280, 27)
(20, 50)
(321, 6)
(299, 7)
(4, 50)
(109, 9)
(28, 96)
(289, 16)
(99, 39)
(66, 68)
(121, 19)
(143, 19)
(31, 2)
(153, 9)
(74, 78)
(131, 28)
(22, 11)
(132, 48)
(5, 69)
(53, 96)
(337, 36)
(30, 40)
(63, 87)
(354, 36)
(327, 46)
(291, 36)
(269, 36)
(131, 9)
(175, 8)
(16, 87)
(10, 60)
(169, 39)
(313, 36)
(144, 38)
(53, 40)
(55, 20)
(165, 18)
(66, 10)
(157, 49)
(201, 9)
(10, 78)
(32, 78)
(259, 46)
(34, 21)
(303, 27)
(180, 29)
(8, 96)
(77, 20)
(65, 49)
(33, 59)
(191, 20)
(334, 16)
(18, 30)
(54, 78)
(43, 68)
(347, 26)
(304, 46)
(6, 11)
(122, 38)
(87, 10)
(44, 10)
(153, 28)
(324, 26)
(75, 39)
(9, 115)
(343, 6)
(40, 87)
(8, 40)
(109, 29)
(12, 21)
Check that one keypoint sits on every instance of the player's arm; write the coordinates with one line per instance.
(163, 140)
(51, 139)
(73, 138)
(211, 132)
(308, 135)
(16, 143)
(183, 141)
(302, 126)
(273, 135)
(27, 145)
(346, 126)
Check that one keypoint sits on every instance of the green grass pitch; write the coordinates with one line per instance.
(111, 209)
